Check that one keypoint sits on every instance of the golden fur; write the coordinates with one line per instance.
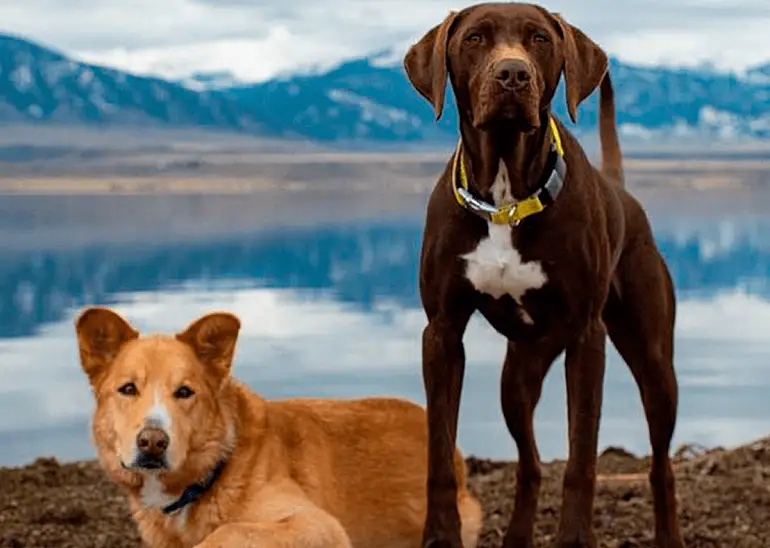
(299, 473)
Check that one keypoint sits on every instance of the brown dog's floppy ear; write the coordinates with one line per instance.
(426, 64)
(213, 339)
(585, 64)
(101, 333)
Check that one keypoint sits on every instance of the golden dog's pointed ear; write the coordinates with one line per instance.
(426, 64)
(213, 339)
(585, 64)
(101, 334)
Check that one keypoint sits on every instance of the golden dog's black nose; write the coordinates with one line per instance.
(152, 442)
(512, 73)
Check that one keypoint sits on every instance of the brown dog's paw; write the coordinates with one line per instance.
(579, 539)
(440, 543)
(518, 542)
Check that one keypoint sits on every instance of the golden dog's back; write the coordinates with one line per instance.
(365, 462)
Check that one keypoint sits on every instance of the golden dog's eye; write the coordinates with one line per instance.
(128, 389)
(540, 38)
(183, 392)
(473, 38)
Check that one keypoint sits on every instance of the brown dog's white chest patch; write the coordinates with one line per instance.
(496, 267)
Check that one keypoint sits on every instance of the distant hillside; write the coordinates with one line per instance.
(364, 99)
(38, 84)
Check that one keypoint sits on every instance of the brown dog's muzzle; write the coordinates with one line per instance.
(508, 91)
(512, 74)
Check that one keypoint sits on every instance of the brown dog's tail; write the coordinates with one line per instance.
(612, 158)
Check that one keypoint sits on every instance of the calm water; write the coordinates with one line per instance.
(332, 310)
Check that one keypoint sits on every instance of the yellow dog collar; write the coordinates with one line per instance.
(512, 214)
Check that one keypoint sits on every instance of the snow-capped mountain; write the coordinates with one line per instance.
(364, 99)
(41, 85)
(367, 99)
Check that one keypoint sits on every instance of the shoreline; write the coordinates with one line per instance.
(236, 172)
(723, 493)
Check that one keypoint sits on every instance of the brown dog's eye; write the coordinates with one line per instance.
(183, 392)
(540, 38)
(473, 38)
(128, 389)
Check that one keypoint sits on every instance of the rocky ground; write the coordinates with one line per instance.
(724, 494)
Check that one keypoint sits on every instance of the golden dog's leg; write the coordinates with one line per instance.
(309, 527)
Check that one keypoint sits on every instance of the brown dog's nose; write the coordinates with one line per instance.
(152, 442)
(513, 73)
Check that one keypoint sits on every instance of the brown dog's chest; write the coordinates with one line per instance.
(496, 266)
(528, 280)
(545, 275)
(505, 276)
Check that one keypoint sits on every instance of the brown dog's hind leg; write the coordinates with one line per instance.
(443, 363)
(640, 314)
(584, 368)
(524, 371)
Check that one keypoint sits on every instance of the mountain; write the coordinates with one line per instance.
(42, 85)
(363, 99)
(366, 100)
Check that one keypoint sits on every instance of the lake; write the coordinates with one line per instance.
(330, 308)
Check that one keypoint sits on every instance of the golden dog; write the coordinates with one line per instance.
(208, 463)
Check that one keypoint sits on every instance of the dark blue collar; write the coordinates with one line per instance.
(195, 491)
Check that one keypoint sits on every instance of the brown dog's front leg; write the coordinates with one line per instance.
(443, 367)
(584, 365)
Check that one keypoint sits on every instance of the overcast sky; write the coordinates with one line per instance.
(256, 39)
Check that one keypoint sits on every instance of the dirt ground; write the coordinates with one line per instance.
(725, 501)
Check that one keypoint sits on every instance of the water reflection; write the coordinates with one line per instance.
(334, 311)
(358, 264)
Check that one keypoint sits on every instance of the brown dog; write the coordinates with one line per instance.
(208, 463)
(552, 252)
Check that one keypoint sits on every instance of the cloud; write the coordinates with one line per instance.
(257, 39)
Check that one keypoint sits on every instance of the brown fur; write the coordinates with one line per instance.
(595, 247)
(299, 473)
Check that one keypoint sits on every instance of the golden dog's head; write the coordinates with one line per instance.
(158, 399)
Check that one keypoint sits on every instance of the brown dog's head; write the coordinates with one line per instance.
(158, 404)
(504, 61)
